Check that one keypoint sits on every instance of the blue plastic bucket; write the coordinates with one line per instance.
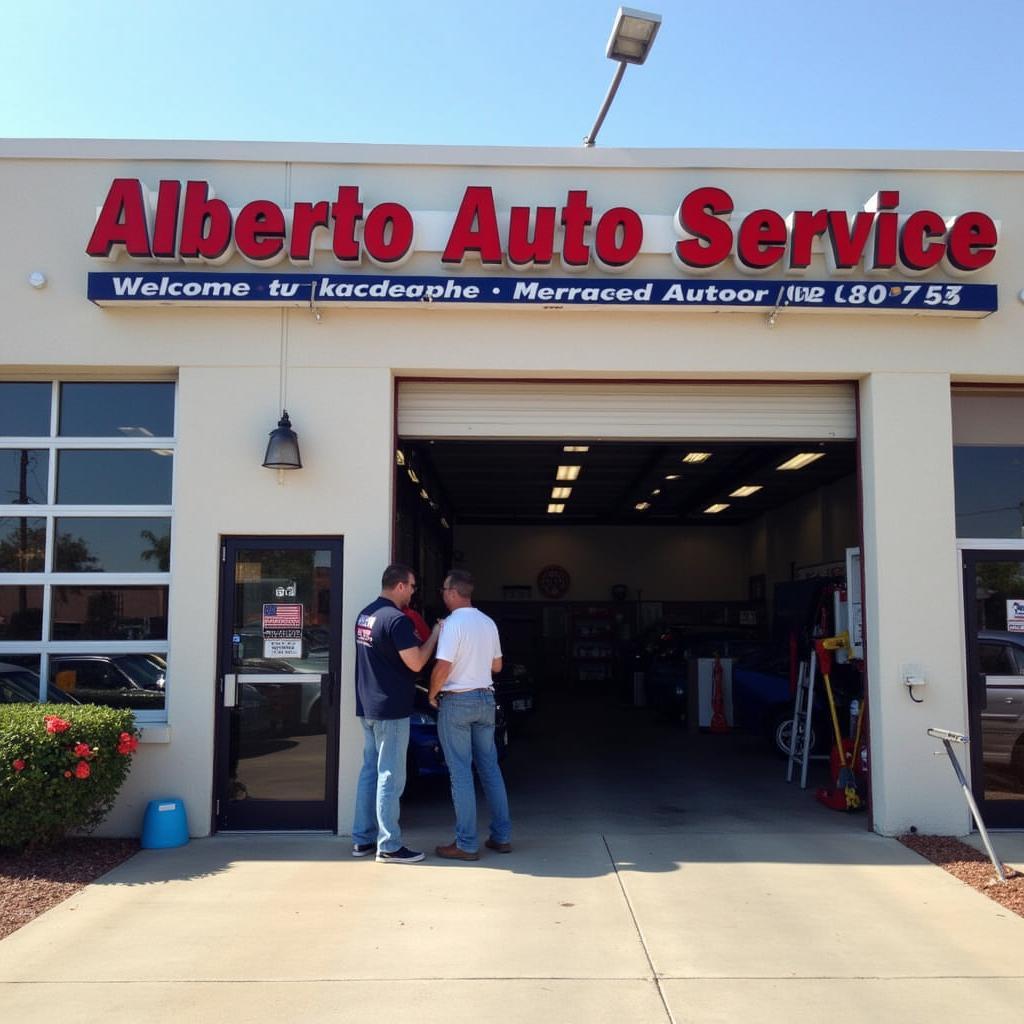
(165, 824)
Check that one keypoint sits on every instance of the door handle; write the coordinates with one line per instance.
(230, 690)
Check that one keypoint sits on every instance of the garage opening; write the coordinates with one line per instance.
(656, 558)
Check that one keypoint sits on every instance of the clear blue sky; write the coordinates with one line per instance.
(904, 74)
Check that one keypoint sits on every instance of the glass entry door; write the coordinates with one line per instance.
(279, 655)
(994, 598)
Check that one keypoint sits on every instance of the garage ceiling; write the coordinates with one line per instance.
(511, 481)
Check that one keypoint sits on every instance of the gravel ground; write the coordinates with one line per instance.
(972, 867)
(33, 881)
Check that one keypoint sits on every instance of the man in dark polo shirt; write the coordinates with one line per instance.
(388, 658)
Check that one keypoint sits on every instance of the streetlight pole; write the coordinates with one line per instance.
(631, 40)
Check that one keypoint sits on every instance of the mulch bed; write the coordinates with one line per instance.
(32, 881)
(972, 868)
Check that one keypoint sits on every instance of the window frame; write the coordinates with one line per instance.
(51, 511)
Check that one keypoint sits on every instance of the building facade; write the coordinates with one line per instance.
(166, 301)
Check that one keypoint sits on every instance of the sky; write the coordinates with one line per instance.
(862, 74)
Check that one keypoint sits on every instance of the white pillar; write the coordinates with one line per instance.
(912, 604)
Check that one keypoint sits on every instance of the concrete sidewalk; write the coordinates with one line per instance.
(702, 926)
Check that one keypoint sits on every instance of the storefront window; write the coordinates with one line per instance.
(114, 478)
(114, 544)
(23, 473)
(25, 408)
(100, 509)
(22, 544)
(117, 410)
(988, 462)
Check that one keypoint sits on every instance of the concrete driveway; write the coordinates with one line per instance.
(677, 881)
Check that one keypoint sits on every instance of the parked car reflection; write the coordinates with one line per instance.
(1001, 656)
(116, 680)
(20, 685)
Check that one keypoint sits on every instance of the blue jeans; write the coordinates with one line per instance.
(465, 725)
(381, 782)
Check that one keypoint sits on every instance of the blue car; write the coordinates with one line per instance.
(425, 758)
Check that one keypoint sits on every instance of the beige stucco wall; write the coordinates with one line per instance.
(340, 391)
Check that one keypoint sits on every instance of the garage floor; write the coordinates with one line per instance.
(586, 764)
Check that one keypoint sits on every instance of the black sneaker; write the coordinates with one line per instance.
(363, 849)
(403, 855)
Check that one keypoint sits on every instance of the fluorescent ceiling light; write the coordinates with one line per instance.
(576, 448)
(697, 457)
(801, 460)
(561, 492)
(424, 495)
(555, 509)
(745, 491)
(642, 506)
(672, 476)
(567, 472)
(712, 509)
(444, 523)
(399, 457)
(655, 492)
(412, 475)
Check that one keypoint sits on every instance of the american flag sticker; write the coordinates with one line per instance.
(282, 620)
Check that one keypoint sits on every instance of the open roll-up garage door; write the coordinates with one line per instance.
(555, 410)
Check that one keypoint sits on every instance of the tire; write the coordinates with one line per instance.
(781, 730)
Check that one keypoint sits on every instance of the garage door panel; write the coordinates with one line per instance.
(508, 409)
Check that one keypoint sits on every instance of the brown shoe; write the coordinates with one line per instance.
(452, 852)
(493, 844)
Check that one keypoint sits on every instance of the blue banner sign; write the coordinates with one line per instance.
(209, 288)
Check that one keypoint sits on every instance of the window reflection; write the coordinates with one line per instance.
(116, 680)
(112, 544)
(109, 613)
(93, 477)
(25, 408)
(22, 544)
(989, 488)
(23, 476)
(121, 409)
(19, 678)
(21, 613)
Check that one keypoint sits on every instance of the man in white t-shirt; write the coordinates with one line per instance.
(461, 687)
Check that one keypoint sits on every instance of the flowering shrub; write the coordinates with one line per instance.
(60, 768)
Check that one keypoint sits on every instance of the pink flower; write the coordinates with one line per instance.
(67, 775)
(82, 770)
(18, 764)
(56, 724)
(83, 750)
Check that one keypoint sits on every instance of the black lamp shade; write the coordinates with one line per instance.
(283, 446)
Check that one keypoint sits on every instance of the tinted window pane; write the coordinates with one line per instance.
(117, 680)
(93, 477)
(117, 410)
(19, 678)
(112, 545)
(109, 613)
(23, 476)
(22, 544)
(21, 613)
(25, 409)
(989, 484)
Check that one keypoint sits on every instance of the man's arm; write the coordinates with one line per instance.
(442, 670)
(496, 666)
(415, 658)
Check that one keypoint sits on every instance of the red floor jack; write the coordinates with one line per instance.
(844, 794)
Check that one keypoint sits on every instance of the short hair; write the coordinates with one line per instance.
(461, 581)
(394, 574)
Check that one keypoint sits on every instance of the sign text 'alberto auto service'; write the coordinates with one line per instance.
(884, 243)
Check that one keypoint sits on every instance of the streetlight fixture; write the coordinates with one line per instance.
(630, 42)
